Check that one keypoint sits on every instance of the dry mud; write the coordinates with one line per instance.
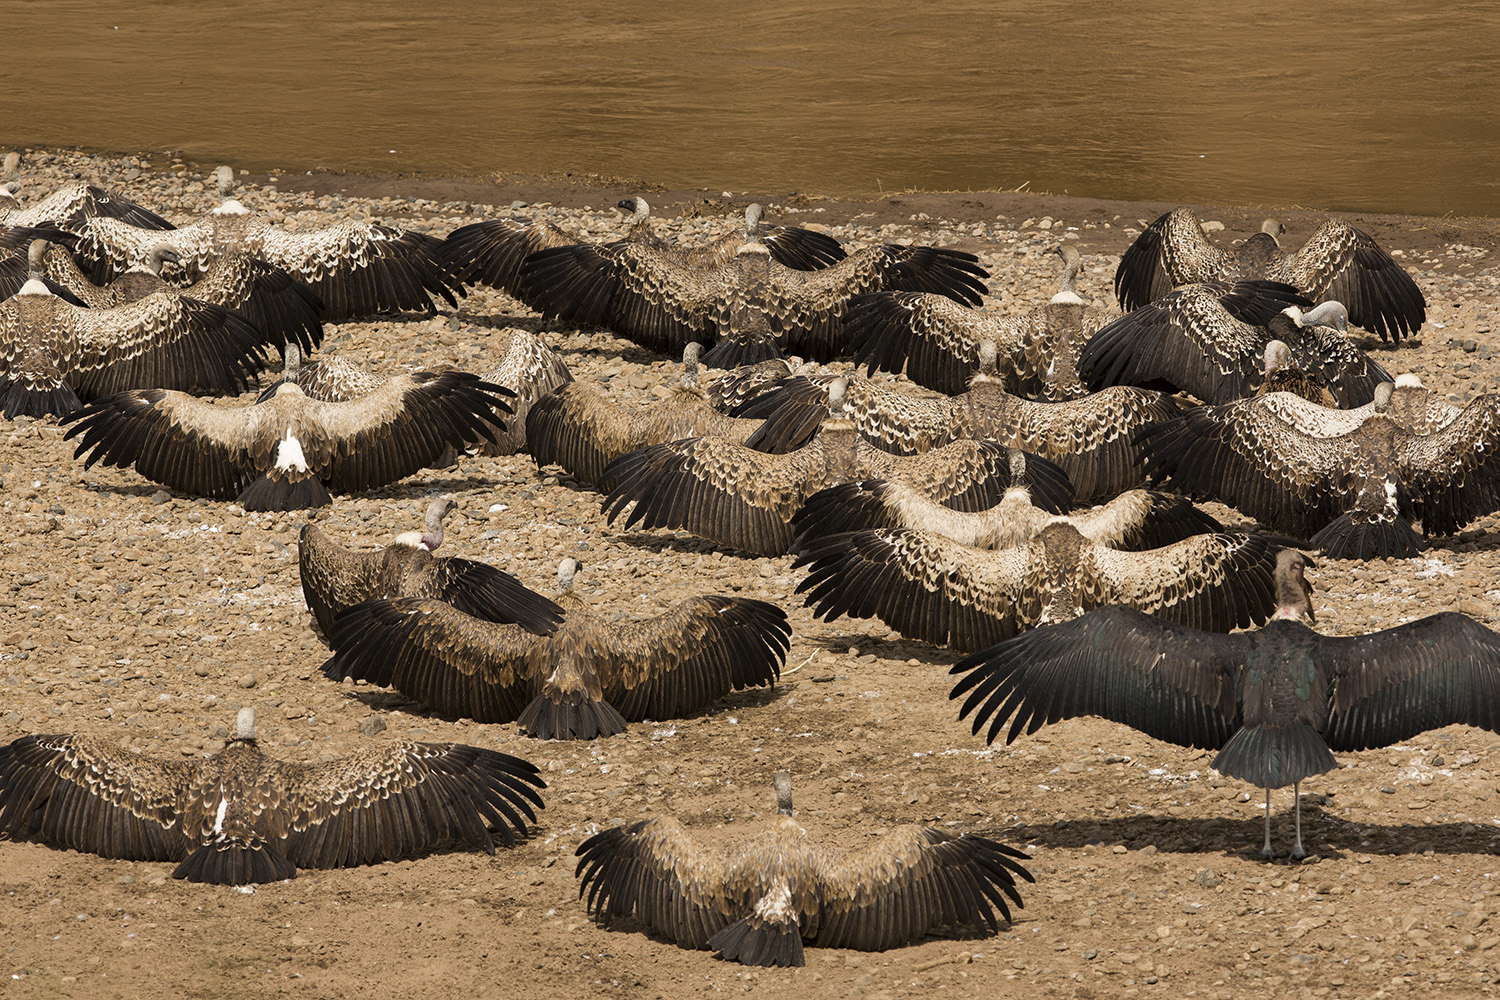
(147, 617)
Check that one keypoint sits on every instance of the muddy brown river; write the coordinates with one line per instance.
(1348, 105)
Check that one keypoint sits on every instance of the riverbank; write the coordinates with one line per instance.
(144, 617)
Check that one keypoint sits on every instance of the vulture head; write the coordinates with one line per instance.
(1293, 592)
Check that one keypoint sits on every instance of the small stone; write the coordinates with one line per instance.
(1208, 878)
(249, 681)
(371, 725)
(160, 497)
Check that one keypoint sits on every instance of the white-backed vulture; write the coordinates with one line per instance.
(760, 901)
(588, 679)
(355, 268)
(241, 817)
(1339, 263)
(288, 452)
(936, 341)
(334, 578)
(1210, 340)
(1350, 481)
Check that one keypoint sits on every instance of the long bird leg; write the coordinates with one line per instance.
(1266, 851)
(1297, 852)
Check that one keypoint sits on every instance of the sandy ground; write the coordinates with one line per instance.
(130, 612)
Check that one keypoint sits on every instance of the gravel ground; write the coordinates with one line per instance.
(146, 617)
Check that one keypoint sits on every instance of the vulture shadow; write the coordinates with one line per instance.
(387, 700)
(1244, 837)
(934, 657)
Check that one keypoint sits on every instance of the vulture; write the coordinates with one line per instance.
(1351, 481)
(71, 206)
(1275, 702)
(1284, 374)
(1089, 438)
(719, 489)
(587, 679)
(760, 901)
(241, 817)
(330, 379)
(527, 367)
(1135, 520)
(55, 356)
(736, 386)
(490, 253)
(1340, 263)
(654, 298)
(583, 429)
(937, 341)
(275, 303)
(355, 268)
(929, 587)
(1210, 341)
(288, 452)
(335, 579)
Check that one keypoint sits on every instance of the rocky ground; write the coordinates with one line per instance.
(129, 612)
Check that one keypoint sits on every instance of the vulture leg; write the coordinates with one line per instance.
(1266, 851)
(1297, 852)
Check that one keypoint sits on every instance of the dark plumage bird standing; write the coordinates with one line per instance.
(758, 903)
(587, 679)
(286, 453)
(334, 578)
(1338, 263)
(241, 817)
(1275, 702)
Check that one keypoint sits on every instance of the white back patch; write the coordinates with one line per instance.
(219, 816)
(289, 454)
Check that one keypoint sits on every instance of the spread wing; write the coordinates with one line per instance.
(893, 421)
(490, 252)
(402, 426)
(716, 488)
(396, 800)
(1390, 685)
(684, 660)
(1169, 681)
(1248, 455)
(1346, 265)
(1172, 251)
(809, 307)
(71, 206)
(969, 475)
(280, 306)
(922, 585)
(90, 795)
(911, 882)
(1212, 582)
(636, 289)
(433, 653)
(174, 439)
(1449, 468)
(655, 873)
(1206, 339)
(107, 247)
(360, 268)
(166, 341)
(869, 504)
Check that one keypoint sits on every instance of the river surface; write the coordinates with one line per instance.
(1344, 105)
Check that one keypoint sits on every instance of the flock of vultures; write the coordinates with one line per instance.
(1030, 502)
